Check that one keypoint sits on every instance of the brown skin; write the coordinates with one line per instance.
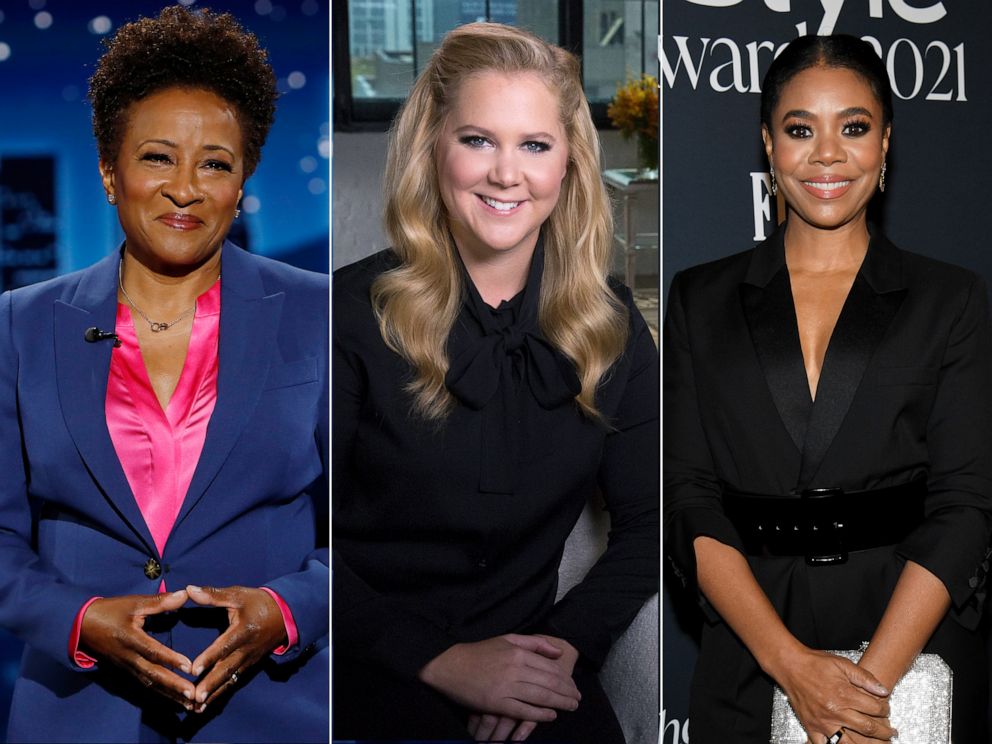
(182, 156)
(827, 123)
(826, 692)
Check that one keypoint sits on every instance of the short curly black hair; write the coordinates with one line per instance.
(186, 49)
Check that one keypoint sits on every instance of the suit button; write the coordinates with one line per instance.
(153, 569)
(482, 564)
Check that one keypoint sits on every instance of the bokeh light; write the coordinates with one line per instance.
(100, 25)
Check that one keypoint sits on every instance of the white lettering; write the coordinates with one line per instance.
(734, 64)
(752, 55)
(680, 733)
(692, 70)
(934, 71)
(831, 11)
(945, 51)
(761, 187)
(907, 12)
(959, 51)
(917, 66)
(832, 8)
(876, 44)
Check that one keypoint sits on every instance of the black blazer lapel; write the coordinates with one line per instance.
(766, 298)
(872, 303)
(249, 322)
(81, 371)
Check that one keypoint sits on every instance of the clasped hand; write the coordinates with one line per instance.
(829, 693)
(513, 681)
(113, 630)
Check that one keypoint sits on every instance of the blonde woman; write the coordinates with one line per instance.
(488, 379)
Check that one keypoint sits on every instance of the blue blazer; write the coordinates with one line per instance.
(255, 513)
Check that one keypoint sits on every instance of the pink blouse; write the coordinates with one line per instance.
(159, 449)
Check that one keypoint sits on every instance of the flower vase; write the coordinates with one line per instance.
(647, 157)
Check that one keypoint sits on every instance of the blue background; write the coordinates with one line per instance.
(44, 114)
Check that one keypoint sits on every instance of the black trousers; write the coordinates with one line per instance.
(371, 704)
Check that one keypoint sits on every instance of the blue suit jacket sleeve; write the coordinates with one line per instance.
(307, 592)
(36, 604)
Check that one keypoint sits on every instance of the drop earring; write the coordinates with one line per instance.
(237, 213)
(771, 172)
(111, 199)
(881, 177)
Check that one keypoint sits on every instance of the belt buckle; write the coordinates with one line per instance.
(825, 535)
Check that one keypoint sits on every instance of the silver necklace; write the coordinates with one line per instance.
(155, 326)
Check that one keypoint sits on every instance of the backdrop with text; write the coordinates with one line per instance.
(716, 197)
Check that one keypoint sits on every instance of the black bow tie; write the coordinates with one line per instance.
(502, 360)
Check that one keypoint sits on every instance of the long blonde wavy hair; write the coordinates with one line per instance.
(417, 303)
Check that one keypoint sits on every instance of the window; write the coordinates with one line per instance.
(380, 46)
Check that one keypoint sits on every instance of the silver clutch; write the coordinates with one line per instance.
(919, 706)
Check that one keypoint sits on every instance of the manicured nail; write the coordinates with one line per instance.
(178, 593)
(187, 694)
(198, 671)
(202, 696)
(201, 708)
(193, 587)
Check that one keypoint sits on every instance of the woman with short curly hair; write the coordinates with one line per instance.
(164, 434)
(488, 380)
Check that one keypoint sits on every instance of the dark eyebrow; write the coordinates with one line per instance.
(167, 143)
(213, 148)
(803, 114)
(173, 145)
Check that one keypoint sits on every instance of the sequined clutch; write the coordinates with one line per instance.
(920, 704)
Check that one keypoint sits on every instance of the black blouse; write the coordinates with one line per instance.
(452, 532)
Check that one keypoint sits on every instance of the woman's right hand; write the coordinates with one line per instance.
(113, 630)
(512, 675)
(828, 693)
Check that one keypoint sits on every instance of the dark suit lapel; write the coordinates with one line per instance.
(872, 303)
(766, 297)
(81, 371)
(249, 321)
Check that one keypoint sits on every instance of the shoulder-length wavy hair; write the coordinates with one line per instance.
(417, 303)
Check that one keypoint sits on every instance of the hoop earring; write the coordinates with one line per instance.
(881, 178)
(771, 172)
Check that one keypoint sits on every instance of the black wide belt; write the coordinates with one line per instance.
(825, 524)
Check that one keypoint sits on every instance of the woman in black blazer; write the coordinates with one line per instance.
(828, 435)
(488, 380)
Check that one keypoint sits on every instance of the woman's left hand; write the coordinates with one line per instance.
(255, 628)
(850, 737)
(489, 727)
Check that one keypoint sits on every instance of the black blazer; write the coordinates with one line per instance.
(904, 392)
(454, 532)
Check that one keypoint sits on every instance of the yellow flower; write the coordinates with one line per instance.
(634, 108)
